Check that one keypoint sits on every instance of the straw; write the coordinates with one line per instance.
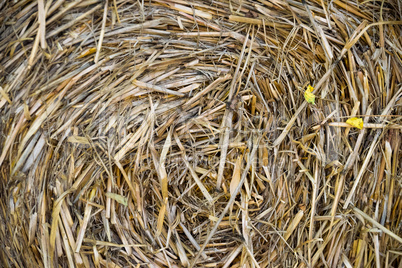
(200, 133)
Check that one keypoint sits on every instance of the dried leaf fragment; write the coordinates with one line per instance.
(119, 198)
(236, 175)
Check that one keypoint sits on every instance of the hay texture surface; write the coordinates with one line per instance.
(200, 133)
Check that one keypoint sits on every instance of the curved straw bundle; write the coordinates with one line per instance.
(170, 134)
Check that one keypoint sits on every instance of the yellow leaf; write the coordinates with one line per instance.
(308, 95)
(356, 122)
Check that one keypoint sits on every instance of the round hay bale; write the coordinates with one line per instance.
(200, 134)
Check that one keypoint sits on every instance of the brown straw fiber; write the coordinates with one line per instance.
(226, 133)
